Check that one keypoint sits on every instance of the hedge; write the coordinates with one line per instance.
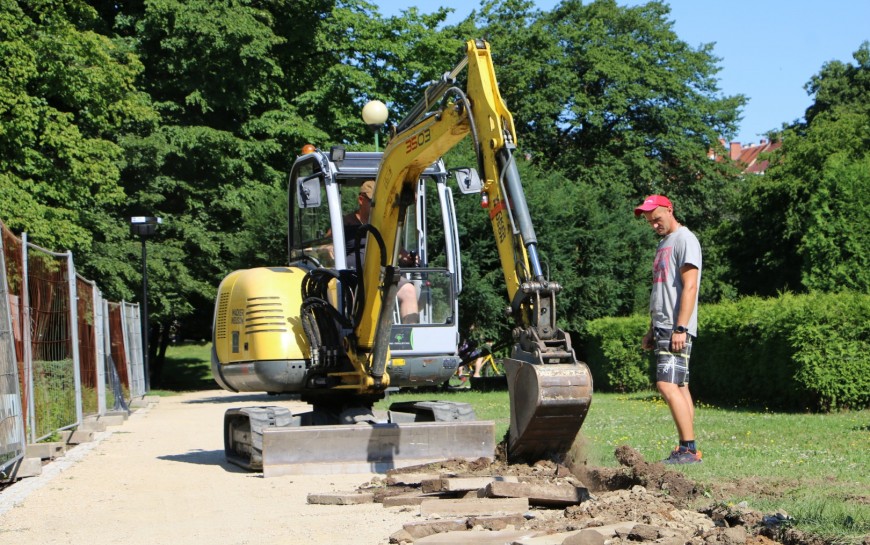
(805, 352)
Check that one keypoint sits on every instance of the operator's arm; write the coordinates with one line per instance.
(689, 277)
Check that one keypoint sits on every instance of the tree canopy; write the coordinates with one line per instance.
(194, 110)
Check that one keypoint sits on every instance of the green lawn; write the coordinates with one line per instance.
(815, 467)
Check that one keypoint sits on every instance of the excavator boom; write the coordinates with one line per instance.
(550, 390)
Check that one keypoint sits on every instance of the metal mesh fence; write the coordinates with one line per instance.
(12, 439)
(118, 350)
(87, 336)
(133, 336)
(54, 373)
(65, 352)
(13, 260)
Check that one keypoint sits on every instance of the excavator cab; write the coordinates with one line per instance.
(323, 190)
(425, 312)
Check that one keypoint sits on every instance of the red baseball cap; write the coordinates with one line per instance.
(651, 203)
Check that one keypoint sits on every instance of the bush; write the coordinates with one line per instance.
(793, 352)
(614, 355)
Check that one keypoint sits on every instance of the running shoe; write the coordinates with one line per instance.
(682, 455)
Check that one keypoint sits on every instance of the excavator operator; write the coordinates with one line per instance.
(407, 295)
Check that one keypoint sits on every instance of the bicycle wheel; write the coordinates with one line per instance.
(491, 367)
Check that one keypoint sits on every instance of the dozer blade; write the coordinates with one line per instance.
(548, 405)
(372, 448)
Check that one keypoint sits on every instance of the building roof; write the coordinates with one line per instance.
(747, 156)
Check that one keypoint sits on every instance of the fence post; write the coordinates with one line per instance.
(99, 350)
(74, 333)
(26, 327)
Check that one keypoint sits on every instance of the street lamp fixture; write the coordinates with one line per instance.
(374, 114)
(144, 227)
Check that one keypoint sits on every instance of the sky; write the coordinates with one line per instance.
(768, 49)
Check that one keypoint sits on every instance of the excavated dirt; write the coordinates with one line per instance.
(662, 501)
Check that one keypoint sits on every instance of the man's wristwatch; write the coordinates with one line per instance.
(680, 329)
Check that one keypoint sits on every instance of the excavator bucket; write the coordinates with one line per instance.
(548, 405)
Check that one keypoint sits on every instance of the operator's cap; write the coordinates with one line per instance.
(368, 189)
(652, 202)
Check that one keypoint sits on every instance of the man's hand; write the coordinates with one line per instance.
(648, 342)
(678, 341)
(408, 259)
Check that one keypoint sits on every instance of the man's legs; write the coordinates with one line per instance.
(679, 401)
(408, 308)
(478, 363)
(672, 381)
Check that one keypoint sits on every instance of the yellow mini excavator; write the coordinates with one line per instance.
(338, 327)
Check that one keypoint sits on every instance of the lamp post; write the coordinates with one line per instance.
(144, 227)
(374, 114)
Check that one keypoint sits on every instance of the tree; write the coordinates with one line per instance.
(609, 97)
(66, 92)
(806, 225)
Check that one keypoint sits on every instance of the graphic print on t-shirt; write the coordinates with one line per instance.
(660, 265)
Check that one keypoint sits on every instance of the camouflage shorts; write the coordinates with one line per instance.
(671, 366)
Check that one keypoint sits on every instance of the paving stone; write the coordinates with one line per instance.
(584, 537)
(475, 538)
(461, 484)
(473, 506)
(413, 479)
(350, 498)
(401, 536)
(497, 522)
(402, 500)
(544, 494)
(424, 528)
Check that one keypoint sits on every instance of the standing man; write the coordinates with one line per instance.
(673, 307)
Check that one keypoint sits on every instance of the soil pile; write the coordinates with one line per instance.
(636, 502)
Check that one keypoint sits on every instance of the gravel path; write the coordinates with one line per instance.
(161, 478)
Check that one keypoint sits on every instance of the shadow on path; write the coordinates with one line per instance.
(206, 458)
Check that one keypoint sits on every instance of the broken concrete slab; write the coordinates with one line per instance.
(497, 522)
(543, 494)
(410, 479)
(475, 538)
(462, 484)
(423, 528)
(581, 537)
(585, 537)
(349, 498)
(473, 506)
(403, 500)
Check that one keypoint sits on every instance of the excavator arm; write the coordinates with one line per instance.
(550, 390)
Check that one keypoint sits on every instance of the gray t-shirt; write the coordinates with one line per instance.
(675, 250)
